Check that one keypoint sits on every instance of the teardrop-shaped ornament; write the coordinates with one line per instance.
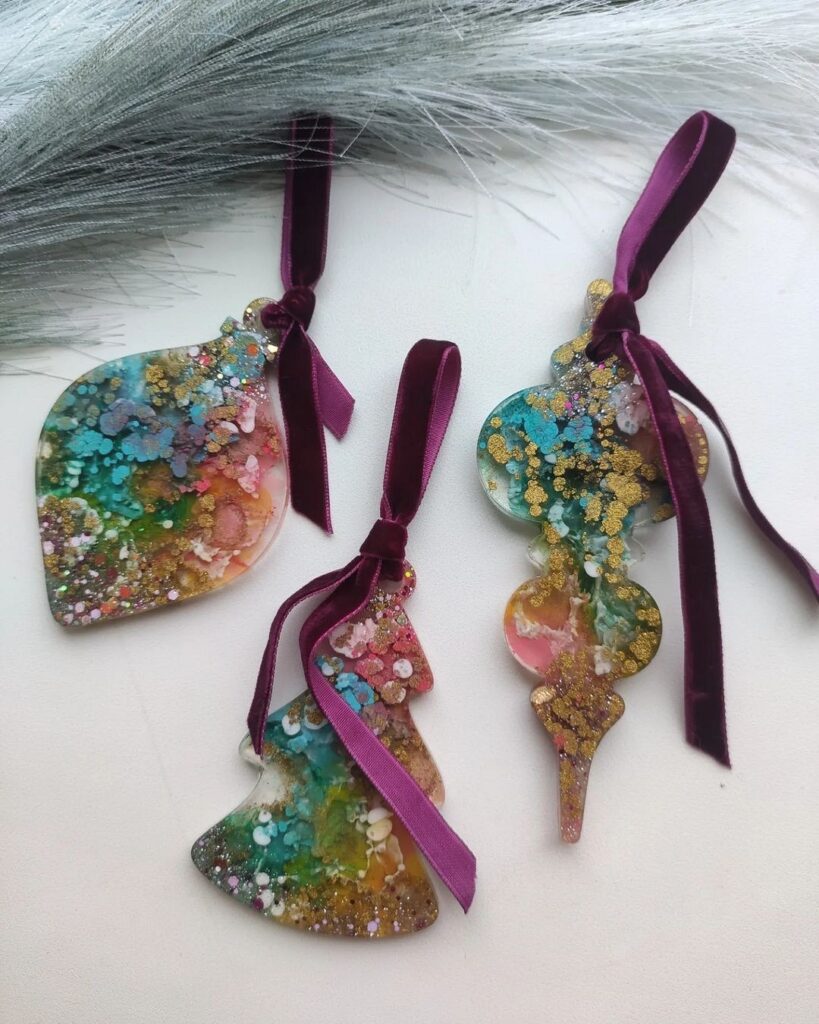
(161, 476)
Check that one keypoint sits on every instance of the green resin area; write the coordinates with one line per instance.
(160, 476)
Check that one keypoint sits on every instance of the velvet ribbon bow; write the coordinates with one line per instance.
(426, 396)
(312, 397)
(686, 172)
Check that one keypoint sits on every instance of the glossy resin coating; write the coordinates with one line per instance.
(160, 476)
(580, 459)
(313, 846)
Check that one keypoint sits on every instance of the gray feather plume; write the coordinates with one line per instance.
(120, 118)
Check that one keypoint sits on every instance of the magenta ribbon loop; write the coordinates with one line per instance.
(426, 397)
(312, 397)
(686, 172)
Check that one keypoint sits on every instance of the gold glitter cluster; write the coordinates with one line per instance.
(557, 572)
(611, 484)
(340, 907)
(577, 706)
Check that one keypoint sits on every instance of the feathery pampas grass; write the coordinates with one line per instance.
(119, 118)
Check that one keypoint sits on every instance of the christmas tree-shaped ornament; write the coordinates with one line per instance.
(164, 475)
(328, 840)
(315, 846)
(600, 452)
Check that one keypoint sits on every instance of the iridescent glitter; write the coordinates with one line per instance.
(313, 846)
(580, 459)
(160, 476)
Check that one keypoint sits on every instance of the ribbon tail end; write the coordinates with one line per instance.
(720, 756)
(462, 887)
(320, 516)
(814, 582)
(336, 416)
(715, 746)
(335, 403)
(465, 899)
(338, 422)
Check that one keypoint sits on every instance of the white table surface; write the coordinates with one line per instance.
(692, 896)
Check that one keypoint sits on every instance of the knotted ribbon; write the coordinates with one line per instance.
(686, 172)
(312, 397)
(426, 396)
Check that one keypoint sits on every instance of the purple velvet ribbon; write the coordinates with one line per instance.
(426, 396)
(686, 172)
(312, 396)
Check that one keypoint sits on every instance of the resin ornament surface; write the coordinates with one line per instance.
(314, 846)
(160, 476)
(580, 459)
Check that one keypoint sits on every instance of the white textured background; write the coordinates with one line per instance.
(692, 896)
